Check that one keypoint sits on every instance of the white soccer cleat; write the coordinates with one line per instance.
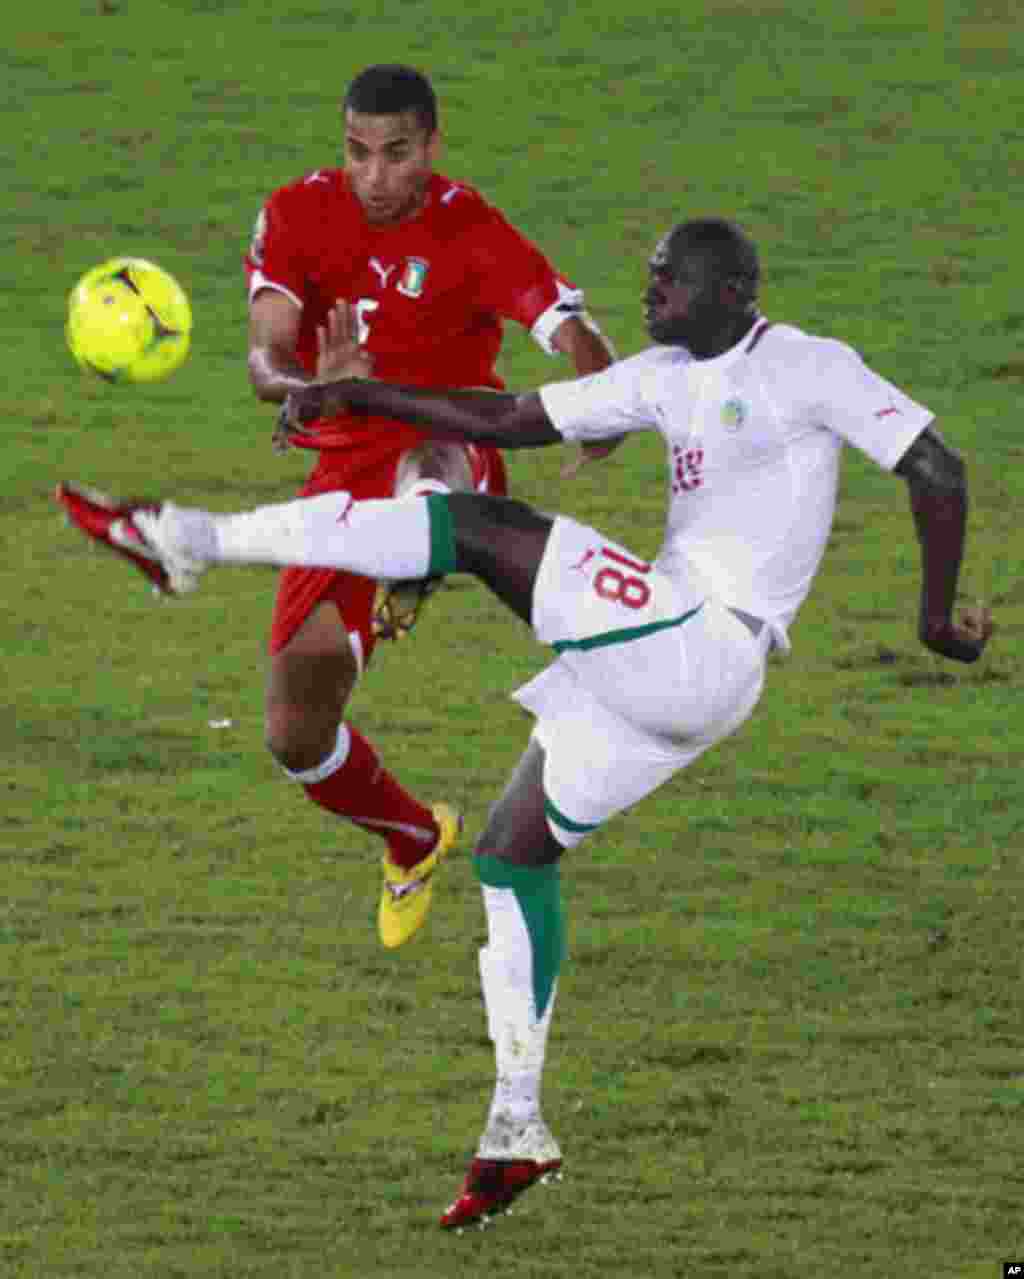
(141, 531)
(163, 531)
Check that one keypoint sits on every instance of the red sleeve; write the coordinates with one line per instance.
(275, 258)
(517, 281)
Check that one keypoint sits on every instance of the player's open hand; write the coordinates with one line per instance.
(964, 638)
(338, 351)
(339, 356)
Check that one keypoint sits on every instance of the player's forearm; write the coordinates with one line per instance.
(584, 344)
(274, 376)
(937, 486)
(472, 417)
(941, 522)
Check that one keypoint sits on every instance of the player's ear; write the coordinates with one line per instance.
(727, 295)
(736, 291)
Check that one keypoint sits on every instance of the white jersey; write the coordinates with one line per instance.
(753, 440)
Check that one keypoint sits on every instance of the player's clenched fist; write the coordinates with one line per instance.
(963, 639)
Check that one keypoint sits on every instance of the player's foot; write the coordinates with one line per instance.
(132, 528)
(397, 605)
(510, 1159)
(405, 897)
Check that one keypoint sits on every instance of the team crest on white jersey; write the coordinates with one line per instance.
(413, 277)
(734, 414)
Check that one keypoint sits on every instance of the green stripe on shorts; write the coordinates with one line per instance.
(623, 636)
(566, 823)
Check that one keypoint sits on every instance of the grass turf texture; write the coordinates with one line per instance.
(789, 1040)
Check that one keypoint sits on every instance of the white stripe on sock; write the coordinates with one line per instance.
(320, 772)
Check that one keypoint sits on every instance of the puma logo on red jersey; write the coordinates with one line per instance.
(383, 271)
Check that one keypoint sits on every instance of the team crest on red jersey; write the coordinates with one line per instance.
(413, 277)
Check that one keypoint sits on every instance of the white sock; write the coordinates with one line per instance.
(519, 1037)
(377, 538)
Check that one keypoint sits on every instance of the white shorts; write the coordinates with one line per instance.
(651, 672)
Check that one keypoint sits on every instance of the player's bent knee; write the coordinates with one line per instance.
(497, 537)
(520, 843)
(297, 740)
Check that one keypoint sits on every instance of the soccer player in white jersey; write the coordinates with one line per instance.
(656, 661)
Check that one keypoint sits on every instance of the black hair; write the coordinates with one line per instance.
(390, 89)
(727, 246)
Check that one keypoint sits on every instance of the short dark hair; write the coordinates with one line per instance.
(390, 89)
(732, 252)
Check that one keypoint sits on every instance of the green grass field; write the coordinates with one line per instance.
(789, 1041)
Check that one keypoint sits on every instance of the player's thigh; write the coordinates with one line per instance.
(303, 593)
(597, 764)
(316, 670)
(593, 592)
(323, 638)
(656, 651)
(517, 828)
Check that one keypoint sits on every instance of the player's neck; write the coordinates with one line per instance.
(724, 339)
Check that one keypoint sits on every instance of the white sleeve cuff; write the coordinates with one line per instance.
(570, 302)
(258, 282)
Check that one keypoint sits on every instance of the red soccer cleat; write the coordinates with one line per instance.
(110, 521)
(490, 1187)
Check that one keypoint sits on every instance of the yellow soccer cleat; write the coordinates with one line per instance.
(397, 605)
(405, 897)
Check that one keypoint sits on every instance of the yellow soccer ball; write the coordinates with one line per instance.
(129, 321)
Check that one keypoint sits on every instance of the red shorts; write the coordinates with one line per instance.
(300, 590)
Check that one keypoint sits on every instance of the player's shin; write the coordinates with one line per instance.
(391, 538)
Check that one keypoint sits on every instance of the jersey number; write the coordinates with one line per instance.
(627, 589)
(363, 308)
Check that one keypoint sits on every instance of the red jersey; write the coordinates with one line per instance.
(431, 292)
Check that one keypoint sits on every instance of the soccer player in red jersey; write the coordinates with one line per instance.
(432, 271)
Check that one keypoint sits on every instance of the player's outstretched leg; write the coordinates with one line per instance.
(500, 540)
